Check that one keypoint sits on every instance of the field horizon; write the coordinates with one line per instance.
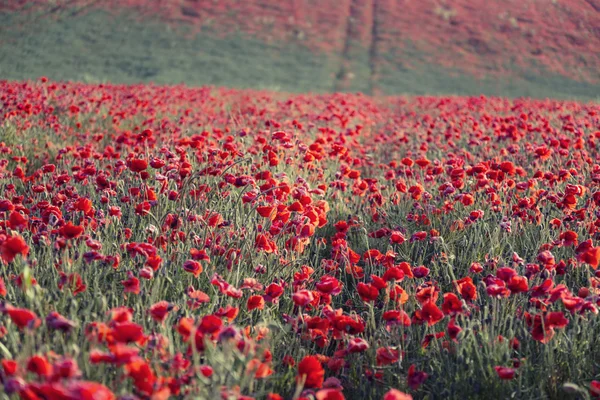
(199, 43)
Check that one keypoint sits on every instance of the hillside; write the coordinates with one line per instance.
(529, 47)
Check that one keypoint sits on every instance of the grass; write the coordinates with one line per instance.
(95, 46)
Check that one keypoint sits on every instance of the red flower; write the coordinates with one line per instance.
(466, 288)
(452, 304)
(70, 231)
(56, 321)
(431, 314)
(267, 212)
(329, 285)
(12, 247)
(303, 297)
(311, 372)
(387, 356)
(258, 368)
(264, 244)
(273, 292)
(9, 367)
(83, 204)
(210, 324)
(518, 284)
(397, 237)
(193, 267)
(22, 317)
(421, 271)
(137, 165)
(397, 317)
(453, 329)
(127, 332)
(142, 375)
(88, 390)
(159, 311)
(505, 373)
(546, 259)
(132, 285)
(39, 366)
(255, 302)
(568, 238)
(329, 394)
(394, 394)
(367, 292)
(588, 254)
(542, 327)
(357, 345)
(415, 378)
(17, 221)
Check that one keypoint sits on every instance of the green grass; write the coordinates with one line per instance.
(98, 47)
(95, 46)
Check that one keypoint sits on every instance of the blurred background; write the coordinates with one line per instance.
(536, 48)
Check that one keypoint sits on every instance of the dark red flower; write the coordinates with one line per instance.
(415, 378)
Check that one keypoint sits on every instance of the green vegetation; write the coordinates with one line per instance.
(95, 46)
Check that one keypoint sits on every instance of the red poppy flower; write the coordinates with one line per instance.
(329, 285)
(17, 221)
(9, 367)
(357, 345)
(505, 373)
(40, 366)
(131, 285)
(394, 394)
(210, 324)
(141, 373)
(387, 356)
(159, 311)
(83, 204)
(588, 254)
(431, 314)
(12, 247)
(263, 243)
(329, 394)
(193, 267)
(127, 332)
(367, 292)
(22, 317)
(255, 302)
(56, 321)
(397, 237)
(70, 231)
(273, 292)
(137, 165)
(303, 297)
(311, 372)
(88, 390)
(258, 369)
(415, 378)
(466, 288)
(452, 304)
(397, 317)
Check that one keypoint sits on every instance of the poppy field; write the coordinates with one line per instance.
(170, 242)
